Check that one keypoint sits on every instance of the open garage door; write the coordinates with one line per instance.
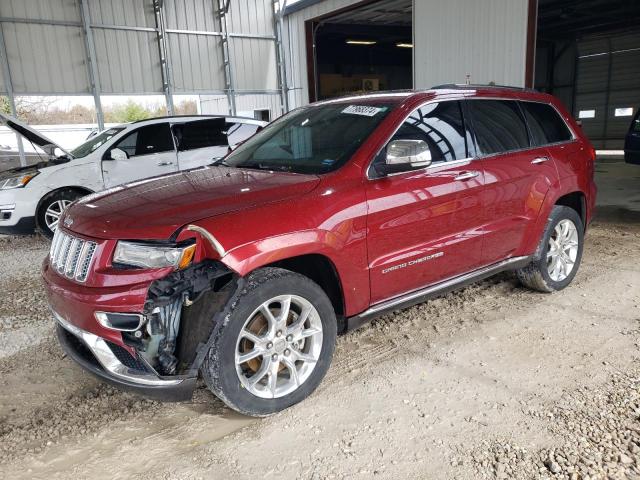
(360, 49)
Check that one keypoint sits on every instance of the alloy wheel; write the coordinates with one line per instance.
(53, 212)
(278, 346)
(562, 250)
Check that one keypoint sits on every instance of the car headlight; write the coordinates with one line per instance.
(17, 181)
(153, 256)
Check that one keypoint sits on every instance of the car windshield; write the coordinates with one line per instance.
(317, 139)
(95, 142)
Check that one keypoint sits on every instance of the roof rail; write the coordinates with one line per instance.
(464, 86)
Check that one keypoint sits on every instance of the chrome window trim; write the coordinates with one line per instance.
(462, 98)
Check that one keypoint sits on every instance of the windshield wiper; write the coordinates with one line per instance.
(262, 166)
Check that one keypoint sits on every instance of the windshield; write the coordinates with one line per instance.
(314, 140)
(95, 142)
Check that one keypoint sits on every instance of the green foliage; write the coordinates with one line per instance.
(4, 106)
(128, 112)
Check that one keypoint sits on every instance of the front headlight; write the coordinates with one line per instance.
(17, 182)
(153, 256)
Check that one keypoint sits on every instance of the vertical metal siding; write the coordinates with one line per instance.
(59, 10)
(130, 13)
(251, 16)
(254, 64)
(219, 105)
(46, 58)
(52, 59)
(197, 15)
(128, 61)
(487, 40)
(196, 62)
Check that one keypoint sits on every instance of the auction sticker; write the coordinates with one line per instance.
(361, 110)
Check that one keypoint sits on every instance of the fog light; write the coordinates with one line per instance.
(123, 322)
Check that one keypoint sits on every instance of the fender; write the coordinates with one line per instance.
(245, 258)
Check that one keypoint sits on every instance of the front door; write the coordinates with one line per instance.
(423, 224)
(150, 152)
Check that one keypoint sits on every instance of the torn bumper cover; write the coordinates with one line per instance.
(114, 364)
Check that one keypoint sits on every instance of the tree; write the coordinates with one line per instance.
(128, 112)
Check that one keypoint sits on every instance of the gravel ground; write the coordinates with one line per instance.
(492, 381)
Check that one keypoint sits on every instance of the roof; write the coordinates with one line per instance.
(191, 118)
(442, 90)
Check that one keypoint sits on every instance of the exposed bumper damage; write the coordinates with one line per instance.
(181, 313)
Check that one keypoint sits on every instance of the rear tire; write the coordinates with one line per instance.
(264, 360)
(558, 256)
(51, 207)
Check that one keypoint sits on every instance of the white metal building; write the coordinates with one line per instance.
(251, 57)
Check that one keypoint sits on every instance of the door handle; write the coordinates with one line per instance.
(164, 164)
(538, 160)
(467, 175)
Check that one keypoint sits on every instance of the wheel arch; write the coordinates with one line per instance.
(77, 188)
(82, 190)
(577, 201)
(322, 271)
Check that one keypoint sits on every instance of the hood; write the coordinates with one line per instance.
(32, 135)
(155, 208)
(14, 172)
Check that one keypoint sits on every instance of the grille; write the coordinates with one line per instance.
(71, 256)
(126, 358)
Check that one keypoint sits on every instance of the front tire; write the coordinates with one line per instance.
(275, 346)
(559, 254)
(51, 208)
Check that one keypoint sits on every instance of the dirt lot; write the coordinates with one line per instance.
(492, 381)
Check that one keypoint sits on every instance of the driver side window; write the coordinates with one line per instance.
(441, 126)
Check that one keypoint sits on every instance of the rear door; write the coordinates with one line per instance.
(201, 142)
(150, 152)
(422, 224)
(518, 175)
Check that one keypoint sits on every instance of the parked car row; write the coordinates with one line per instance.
(34, 197)
(244, 272)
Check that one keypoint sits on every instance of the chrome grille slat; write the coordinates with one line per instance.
(71, 256)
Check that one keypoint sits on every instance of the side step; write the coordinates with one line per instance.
(419, 296)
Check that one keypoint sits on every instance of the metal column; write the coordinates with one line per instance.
(94, 79)
(165, 68)
(6, 73)
(223, 10)
(278, 14)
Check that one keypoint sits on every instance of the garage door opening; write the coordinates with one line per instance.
(588, 55)
(361, 49)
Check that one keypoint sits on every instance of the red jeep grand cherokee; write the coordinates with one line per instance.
(340, 211)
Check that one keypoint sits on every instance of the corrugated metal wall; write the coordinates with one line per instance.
(245, 104)
(608, 78)
(48, 54)
(486, 39)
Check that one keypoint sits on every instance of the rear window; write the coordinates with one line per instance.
(545, 124)
(201, 134)
(499, 126)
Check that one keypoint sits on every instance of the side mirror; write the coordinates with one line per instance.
(405, 155)
(118, 154)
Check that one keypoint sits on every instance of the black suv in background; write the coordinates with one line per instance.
(632, 141)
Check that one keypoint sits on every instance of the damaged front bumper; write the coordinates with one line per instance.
(114, 364)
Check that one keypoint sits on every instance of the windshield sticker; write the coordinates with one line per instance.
(362, 110)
